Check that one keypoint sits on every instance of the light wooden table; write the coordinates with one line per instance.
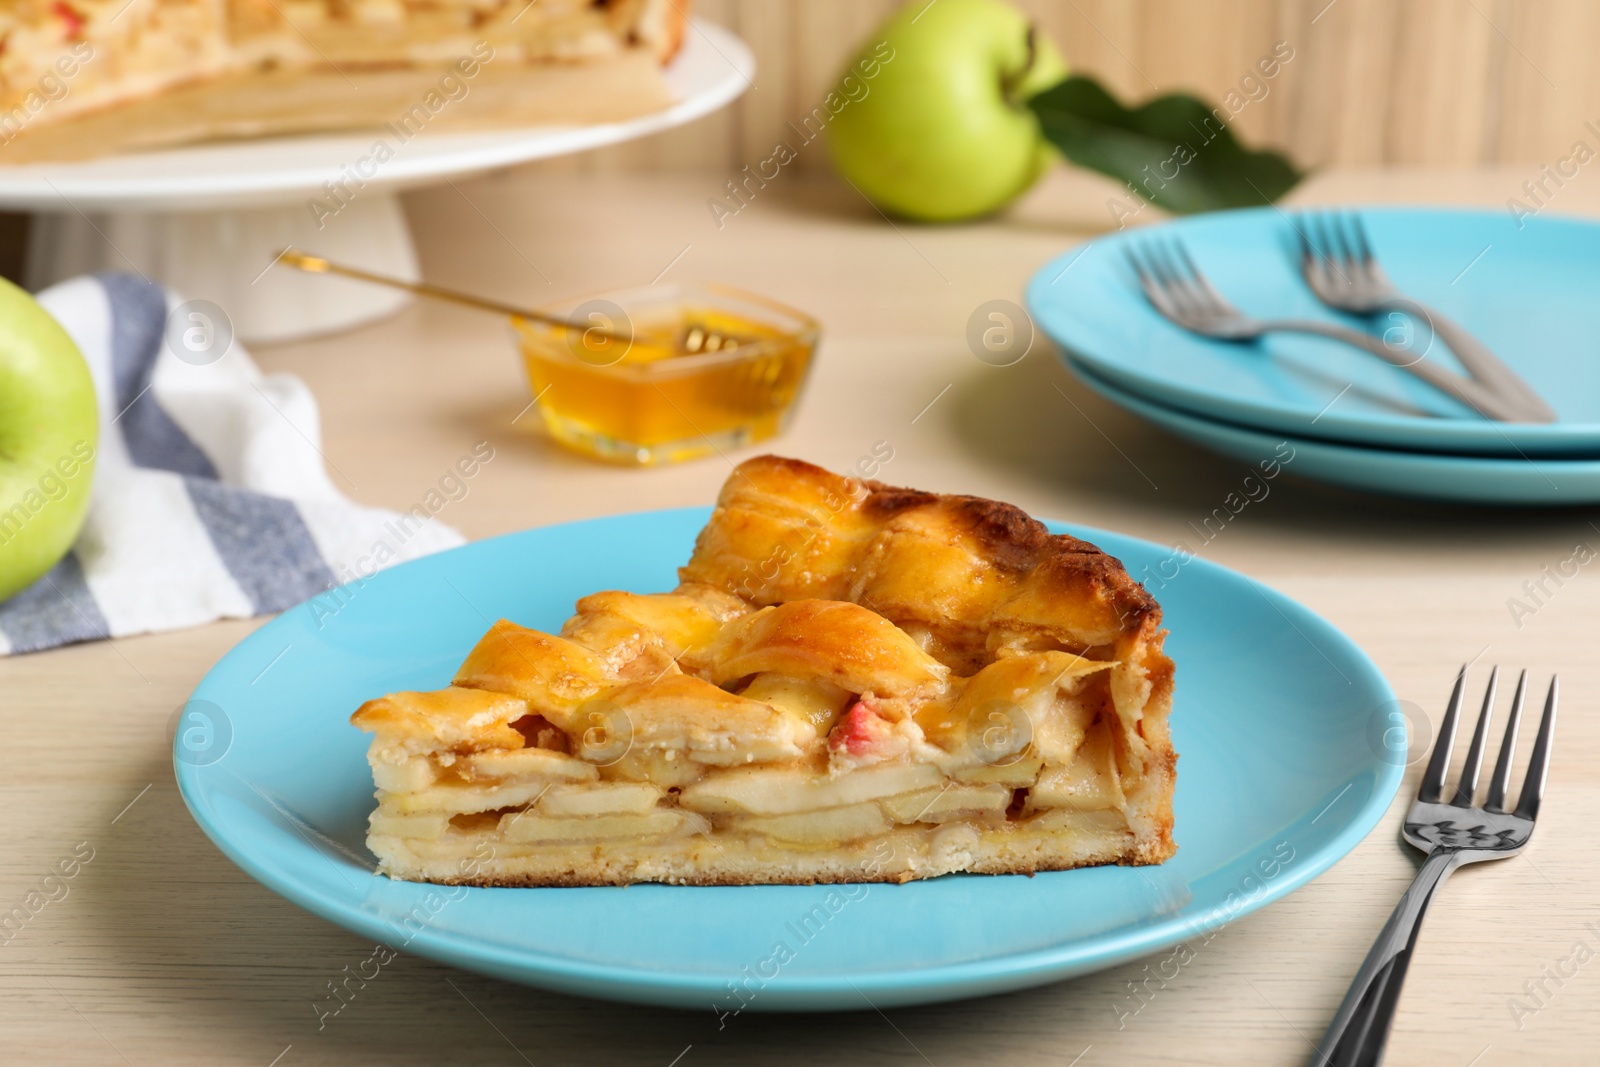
(162, 952)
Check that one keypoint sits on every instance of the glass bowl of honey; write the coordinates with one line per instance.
(666, 373)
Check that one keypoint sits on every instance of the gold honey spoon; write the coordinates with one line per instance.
(696, 338)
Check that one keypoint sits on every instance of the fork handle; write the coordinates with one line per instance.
(1360, 1029)
(1477, 357)
(1467, 390)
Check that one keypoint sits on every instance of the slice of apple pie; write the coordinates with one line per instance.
(852, 682)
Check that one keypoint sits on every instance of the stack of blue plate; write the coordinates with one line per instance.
(1529, 288)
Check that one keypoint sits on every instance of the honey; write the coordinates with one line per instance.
(668, 373)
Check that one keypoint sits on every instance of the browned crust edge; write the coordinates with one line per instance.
(1014, 540)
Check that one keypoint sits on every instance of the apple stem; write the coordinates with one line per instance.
(1009, 85)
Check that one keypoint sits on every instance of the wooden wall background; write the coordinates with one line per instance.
(1372, 82)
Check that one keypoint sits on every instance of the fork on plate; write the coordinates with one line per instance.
(1180, 293)
(1452, 832)
(1340, 268)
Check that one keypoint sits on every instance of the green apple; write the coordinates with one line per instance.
(49, 429)
(939, 130)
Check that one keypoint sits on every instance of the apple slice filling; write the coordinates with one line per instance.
(771, 746)
(544, 796)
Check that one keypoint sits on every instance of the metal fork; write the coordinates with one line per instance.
(1181, 294)
(1452, 834)
(1339, 267)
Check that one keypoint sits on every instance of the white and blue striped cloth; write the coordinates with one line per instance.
(210, 496)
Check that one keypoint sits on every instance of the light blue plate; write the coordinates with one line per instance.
(1284, 769)
(1459, 479)
(1529, 293)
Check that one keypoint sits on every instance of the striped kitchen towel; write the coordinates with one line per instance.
(210, 496)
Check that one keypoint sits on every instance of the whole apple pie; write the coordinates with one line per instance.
(851, 682)
(86, 77)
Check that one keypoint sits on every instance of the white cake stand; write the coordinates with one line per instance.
(210, 220)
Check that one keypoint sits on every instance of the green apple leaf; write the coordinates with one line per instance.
(1174, 151)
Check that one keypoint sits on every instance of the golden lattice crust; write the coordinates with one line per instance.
(851, 682)
(963, 566)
